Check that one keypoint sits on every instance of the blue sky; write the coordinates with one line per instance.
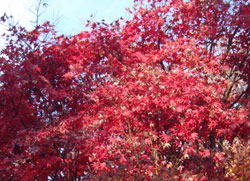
(69, 15)
(73, 14)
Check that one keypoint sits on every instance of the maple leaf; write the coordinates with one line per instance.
(166, 138)
(147, 141)
(205, 153)
(123, 160)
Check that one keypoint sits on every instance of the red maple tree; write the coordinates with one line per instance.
(155, 97)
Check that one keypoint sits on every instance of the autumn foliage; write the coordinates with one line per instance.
(162, 96)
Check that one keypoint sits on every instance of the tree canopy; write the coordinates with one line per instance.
(164, 95)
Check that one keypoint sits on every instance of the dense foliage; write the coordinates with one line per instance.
(162, 96)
